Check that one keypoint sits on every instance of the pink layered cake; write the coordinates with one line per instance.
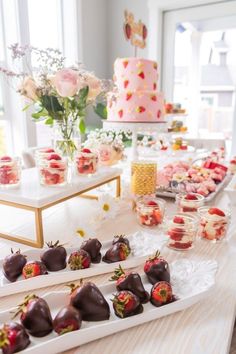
(136, 98)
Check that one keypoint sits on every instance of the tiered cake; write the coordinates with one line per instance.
(136, 98)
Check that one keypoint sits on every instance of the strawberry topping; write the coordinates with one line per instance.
(191, 197)
(216, 211)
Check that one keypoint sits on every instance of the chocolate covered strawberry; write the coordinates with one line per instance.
(13, 338)
(122, 239)
(35, 316)
(157, 269)
(161, 293)
(126, 304)
(93, 247)
(116, 253)
(67, 320)
(89, 300)
(13, 265)
(33, 269)
(54, 257)
(130, 281)
(79, 260)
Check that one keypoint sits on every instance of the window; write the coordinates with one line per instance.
(42, 24)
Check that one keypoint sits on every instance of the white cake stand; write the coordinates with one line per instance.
(135, 128)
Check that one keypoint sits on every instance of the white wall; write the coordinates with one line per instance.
(117, 44)
(94, 36)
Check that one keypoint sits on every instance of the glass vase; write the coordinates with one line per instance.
(66, 138)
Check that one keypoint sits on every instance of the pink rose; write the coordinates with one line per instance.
(29, 88)
(66, 82)
(94, 85)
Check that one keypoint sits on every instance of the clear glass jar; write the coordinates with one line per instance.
(214, 223)
(43, 153)
(189, 203)
(182, 230)
(10, 171)
(86, 162)
(150, 211)
(53, 172)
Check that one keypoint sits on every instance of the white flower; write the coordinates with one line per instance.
(85, 230)
(108, 206)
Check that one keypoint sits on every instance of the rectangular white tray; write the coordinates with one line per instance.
(231, 191)
(31, 193)
(138, 254)
(192, 281)
(171, 194)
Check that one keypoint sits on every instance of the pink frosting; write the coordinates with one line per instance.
(139, 106)
(135, 74)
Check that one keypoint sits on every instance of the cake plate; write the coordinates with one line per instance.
(135, 129)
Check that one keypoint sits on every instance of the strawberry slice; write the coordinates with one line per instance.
(120, 112)
(151, 202)
(191, 197)
(87, 151)
(178, 220)
(154, 98)
(141, 75)
(154, 86)
(128, 96)
(54, 157)
(6, 158)
(125, 63)
(126, 83)
(216, 211)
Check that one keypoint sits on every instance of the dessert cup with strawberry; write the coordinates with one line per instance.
(150, 211)
(182, 230)
(189, 203)
(86, 162)
(53, 171)
(43, 153)
(10, 172)
(214, 223)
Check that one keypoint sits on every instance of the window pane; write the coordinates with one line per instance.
(1, 102)
(206, 73)
(44, 23)
(3, 138)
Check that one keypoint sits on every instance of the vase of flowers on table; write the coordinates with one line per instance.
(58, 94)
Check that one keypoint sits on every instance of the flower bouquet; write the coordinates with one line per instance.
(59, 95)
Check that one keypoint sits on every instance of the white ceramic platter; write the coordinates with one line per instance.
(142, 245)
(171, 193)
(192, 281)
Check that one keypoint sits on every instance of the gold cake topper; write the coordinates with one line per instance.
(135, 32)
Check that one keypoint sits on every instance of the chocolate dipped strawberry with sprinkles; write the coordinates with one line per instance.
(13, 265)
(13, 338)
(157, 269)
(126, 304)
(35, 316)
(130, 281)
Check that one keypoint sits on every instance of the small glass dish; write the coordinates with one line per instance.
(10, 172)
(189, 203)
(214, 223)
(86, 162)
(150, 211)
(53, 173)
(182, 230)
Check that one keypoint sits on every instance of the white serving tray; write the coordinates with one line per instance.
(142, 245)
(172, 194)
(192, 281)
(231, 191)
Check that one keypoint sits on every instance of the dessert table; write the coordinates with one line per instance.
(205, 328)
(31, 196)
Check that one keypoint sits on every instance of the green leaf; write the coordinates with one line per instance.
(83, 94)
(26, 107)
(49, 121)
(101, 110)
(51, 104)
(39, 114)
(82, 126)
